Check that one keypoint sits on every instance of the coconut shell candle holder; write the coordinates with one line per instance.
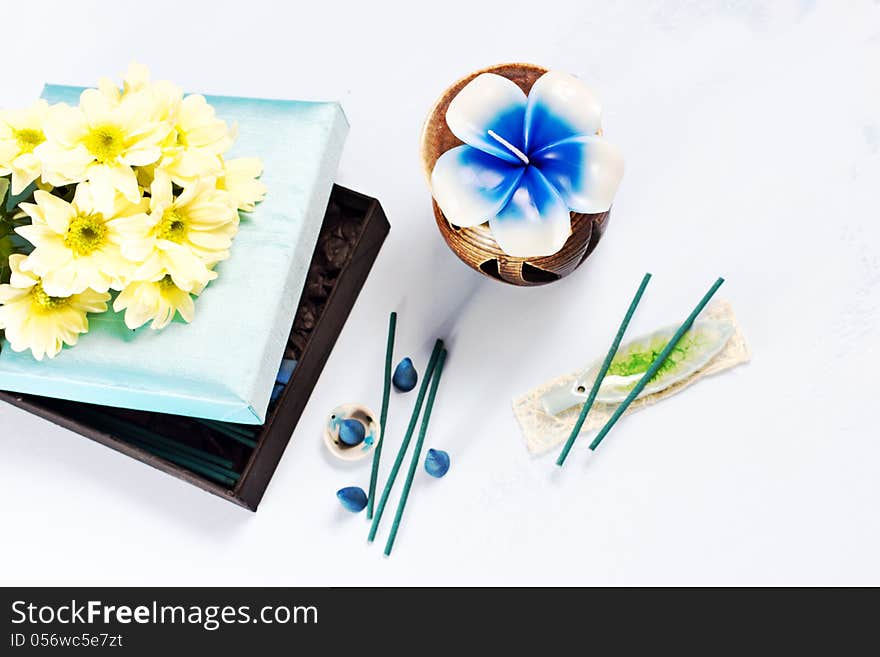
(521, 178)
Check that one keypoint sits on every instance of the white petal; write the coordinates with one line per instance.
(10, 294)
(185, 268)
(107, 87)
(26, 169)
(97, 107)
(194, 163)
(56, 212)
(209, 240)
(62, 165)
(471, 186)
(102, 189)
(125, 180)
(20, 277)
(489, 107)
(250, 167)
(92, 302)
(560, 106)
(586, 172)
(185, 306)
(82, 198)
(142, 156)
(8, 152)
(65, 125)
(136, 77)
(535, 222)
(137, 315)
(152, 269)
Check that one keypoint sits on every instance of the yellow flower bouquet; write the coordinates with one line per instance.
(125, 200)
(119, 208)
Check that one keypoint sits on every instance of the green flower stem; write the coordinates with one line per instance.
(386, 395)
(656, 365)
(417, 452)
(575, 432)
(401, 453)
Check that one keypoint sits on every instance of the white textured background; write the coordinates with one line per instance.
(752, 137)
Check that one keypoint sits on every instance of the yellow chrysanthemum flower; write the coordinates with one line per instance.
(156, 301)
(199, 139)
(166, 96)
(32, 319)
(100, 141)
(21, 131)
(183, 237)
(77, 246)
(239, 180)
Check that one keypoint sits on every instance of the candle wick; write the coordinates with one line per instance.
(513, 149)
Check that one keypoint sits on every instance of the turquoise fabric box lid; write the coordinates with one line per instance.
(222, 366)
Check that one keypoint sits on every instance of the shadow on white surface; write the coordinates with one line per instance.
(89, 468)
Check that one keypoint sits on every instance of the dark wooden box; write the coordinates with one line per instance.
(353, 231)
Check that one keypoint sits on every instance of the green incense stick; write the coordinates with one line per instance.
(196, 466)
(183, 459)
(386, 395)
(230, 432)
(417, 451)
(575, 432)
(401, 453)
(226, 426)
(656, 365)
(127, 429)
(170, 451)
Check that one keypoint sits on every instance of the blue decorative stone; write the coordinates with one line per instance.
(437, 463)
(405, 376)
(276, 392)
(286, 371)
(353, 498)
(351, 432)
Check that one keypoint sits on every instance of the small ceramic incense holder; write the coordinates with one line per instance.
(543, 430)
(357, 413)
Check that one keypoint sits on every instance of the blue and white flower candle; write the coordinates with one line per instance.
(520, 166)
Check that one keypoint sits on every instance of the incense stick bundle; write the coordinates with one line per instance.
(240, 435)
(198, 460)
(417, 451)
(401, 453)
(656, 364)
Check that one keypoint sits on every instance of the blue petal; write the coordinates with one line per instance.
(471, 186)
(535, 222)
(559, 107)
(489, 107)
(586, 171)
(353, 498)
